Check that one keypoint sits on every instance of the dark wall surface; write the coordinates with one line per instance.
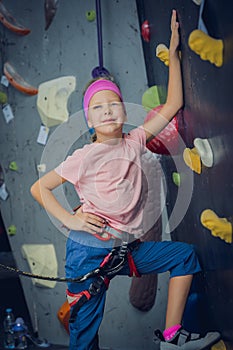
(207, 114)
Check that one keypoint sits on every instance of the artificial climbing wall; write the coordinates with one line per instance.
(205, 153)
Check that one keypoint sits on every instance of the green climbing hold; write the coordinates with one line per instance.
(176, 178)
(91, 15)
(13, 166)
(11, 230)
(153, 97)
(3, 98)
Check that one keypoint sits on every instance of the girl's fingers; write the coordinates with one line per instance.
(95, 220)
(94, 229)
(174, 23)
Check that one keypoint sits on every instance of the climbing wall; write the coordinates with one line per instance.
(204, 158)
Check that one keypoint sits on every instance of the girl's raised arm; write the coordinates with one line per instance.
(175, 90)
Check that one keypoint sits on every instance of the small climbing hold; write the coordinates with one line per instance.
(91, 15)
(219, 346)
(13, 166)
(162, 52)
(41, 168)
(11, 230)
(63, 315)
(145, 31)
(197, 2)
(219, 227)
(205, 151)
(50, 9)
(176, 178)
(3, 98)
(208, 48)
(17, 81)
(192, 159)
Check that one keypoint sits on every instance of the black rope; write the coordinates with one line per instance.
(114, 264)
(57, 279)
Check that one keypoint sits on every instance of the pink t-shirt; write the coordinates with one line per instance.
(108, 180)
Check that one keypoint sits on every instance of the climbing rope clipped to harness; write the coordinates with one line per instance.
(111, 265)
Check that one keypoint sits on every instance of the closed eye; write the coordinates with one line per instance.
(96, 107)
(116, 104)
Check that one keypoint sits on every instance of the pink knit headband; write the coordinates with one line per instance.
(98, 85)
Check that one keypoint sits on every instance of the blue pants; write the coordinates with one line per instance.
(150, 257)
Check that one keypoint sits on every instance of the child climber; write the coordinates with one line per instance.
(108, 178)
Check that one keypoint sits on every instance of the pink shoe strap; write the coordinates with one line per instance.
(170, 332)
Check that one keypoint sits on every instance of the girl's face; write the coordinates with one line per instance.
(106, 113)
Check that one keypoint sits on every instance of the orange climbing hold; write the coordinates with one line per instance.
(17, 81)
(63, 315)
(10, 22)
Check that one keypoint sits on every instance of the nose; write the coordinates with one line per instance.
(108, 110)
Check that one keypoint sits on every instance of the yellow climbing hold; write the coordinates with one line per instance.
(219, 346)
(208, 48)
(192, 159)
(162, 52)
(42, 260)
(219, 227)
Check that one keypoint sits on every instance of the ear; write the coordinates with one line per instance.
(125, 115)
(89, 122)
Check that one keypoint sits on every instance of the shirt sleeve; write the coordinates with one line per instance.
(138, 134)
(69, 169)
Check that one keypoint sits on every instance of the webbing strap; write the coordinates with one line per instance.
(133, 272)
(77, 300)
(73, 298)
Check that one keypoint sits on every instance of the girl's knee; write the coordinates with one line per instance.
(190, 259)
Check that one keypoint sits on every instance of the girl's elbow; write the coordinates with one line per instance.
(34, 189)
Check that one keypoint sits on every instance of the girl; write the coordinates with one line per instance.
(108, 178)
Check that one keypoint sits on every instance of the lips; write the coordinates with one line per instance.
(109, 120)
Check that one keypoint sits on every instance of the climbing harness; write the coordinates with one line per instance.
(109, 267)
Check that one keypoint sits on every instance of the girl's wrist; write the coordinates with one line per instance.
(174, 53)
(67, 218)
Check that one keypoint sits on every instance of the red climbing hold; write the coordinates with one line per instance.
(166, 142)
(145, 31)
